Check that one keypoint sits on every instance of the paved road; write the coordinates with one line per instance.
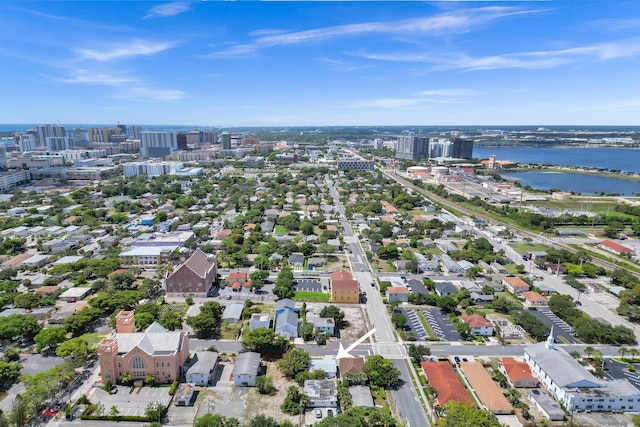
(386, 344)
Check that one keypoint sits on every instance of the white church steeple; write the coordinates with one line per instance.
(549, 344)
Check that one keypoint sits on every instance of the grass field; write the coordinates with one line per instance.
(312, 296)
(523, 248)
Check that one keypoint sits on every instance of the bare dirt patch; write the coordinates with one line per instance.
(356, 326)
(257, 403)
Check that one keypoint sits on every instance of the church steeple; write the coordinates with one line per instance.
(549, 344)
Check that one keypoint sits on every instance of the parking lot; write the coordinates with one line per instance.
(616, 371)
(307, 285)
(440, 324)
(414, 324)
(560, 327)
(130, 404)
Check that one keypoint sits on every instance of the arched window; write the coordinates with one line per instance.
(138, 363)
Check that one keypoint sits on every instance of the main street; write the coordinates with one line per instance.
(405, 395)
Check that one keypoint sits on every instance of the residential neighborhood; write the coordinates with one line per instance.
(298, 291)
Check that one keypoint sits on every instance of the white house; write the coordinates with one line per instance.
(322, 393)
(202, 371)
(246, 369)
(479, 325)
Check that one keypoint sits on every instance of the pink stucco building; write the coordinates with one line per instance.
(155, 351)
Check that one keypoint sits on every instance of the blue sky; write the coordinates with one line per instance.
(212, 63)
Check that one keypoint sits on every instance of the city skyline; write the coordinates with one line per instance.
(320, 63)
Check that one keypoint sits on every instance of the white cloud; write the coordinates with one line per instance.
(84, 77)
(615, 24)
(450, 22)
(423, 98)
(526, 60)
(169, 9)
(143, 93)
(136, 47)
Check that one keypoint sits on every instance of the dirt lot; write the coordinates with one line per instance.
(257, 403)
(356, 327)
(353, 315)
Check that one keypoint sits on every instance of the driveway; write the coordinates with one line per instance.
(440, 324)
(560, 327)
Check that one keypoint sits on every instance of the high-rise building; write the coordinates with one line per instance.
(80, 137)
(133, 132)
(28, 142)
(412, 147)
(157, 143)
(46, 131)
(225, 140)
(59, 143)
(421, 147)
(123, 129)
(181, 138)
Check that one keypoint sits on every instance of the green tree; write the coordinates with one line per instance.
(171, 320)
(18, 326)
(262, 421)
(216, 420)
(49, 338)
(154, 411)
(264, 384)
(143, 319)
(294, 361)
(460, 414)
(295, 402)
(114, 411)
(9, 373)
(208, 321)
(398, 320)
(265, 341)
(416, 352)
(79, 347)
(381, 372)
(333, 312)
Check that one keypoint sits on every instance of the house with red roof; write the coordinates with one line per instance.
(518, 373)
(613, 247)
(444, 380)
(238, 280)
(479, 325)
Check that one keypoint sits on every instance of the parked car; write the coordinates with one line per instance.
(329, 413)
(318, 413)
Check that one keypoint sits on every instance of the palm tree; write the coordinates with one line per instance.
(588, 350)
(634, 352)
(623, 351)
(126, 378)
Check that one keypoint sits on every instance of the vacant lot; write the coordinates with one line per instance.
(256, 403)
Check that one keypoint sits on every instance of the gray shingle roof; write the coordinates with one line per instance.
(563, 369)
(154, 340)
(247, 363)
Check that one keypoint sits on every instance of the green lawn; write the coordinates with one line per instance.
(312, 296)
(523, 248)
(280, 230)
(230, 331)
